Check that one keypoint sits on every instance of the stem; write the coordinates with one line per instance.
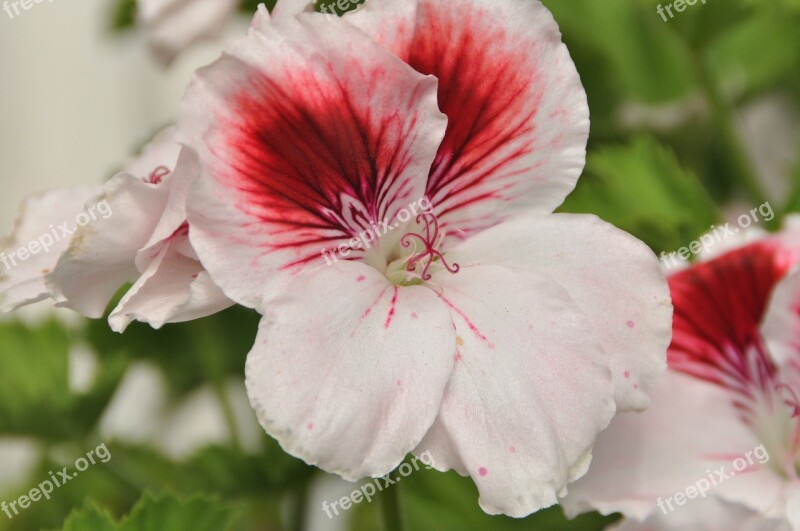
(210, 350)
(298, 509)
(227, 412)
(723, 115)
(390, 505)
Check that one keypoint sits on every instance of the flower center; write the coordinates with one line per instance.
(424, 242)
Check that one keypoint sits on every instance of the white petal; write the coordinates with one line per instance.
(530, 392)
(100, 258)
(644, 456)
(705, 514)
(348, 371)
(173, 217)
(781, 325)
(41, 226)
(161, 152)
(173, 289)
(614, 278)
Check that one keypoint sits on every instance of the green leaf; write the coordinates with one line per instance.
(92, 518)
(701, 23)
(157, 513)
(35, 398)
(757, 53)
(34, 394)
(169, 512)
(627, 42)
(642, 189)
(258, 482)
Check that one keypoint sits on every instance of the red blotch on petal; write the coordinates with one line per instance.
(490, 100)
(719, 306)
(315, 161)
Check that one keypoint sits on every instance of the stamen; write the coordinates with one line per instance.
(430, 241)
(157, 175)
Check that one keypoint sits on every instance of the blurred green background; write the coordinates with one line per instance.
(694, 121)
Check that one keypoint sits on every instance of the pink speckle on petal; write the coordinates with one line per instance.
(414, 315)
(631, 324)
(482, 471)
(627, 374)
(458, 356)
(399, 382)
(361, 278)
(635, 386)
(310, 426)
(512, 449)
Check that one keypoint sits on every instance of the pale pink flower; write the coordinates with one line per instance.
(503, 340)
(146, 242)
(137, 232)
(731, 390)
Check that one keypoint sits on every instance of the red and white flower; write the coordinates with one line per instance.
(497, 336)
(732, 386)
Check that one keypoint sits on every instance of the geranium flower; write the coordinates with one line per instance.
(487, 331)
(731, 390)
(141, 237)
(146, 240)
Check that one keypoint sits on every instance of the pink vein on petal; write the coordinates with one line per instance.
(391, 309)
(469, 323)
